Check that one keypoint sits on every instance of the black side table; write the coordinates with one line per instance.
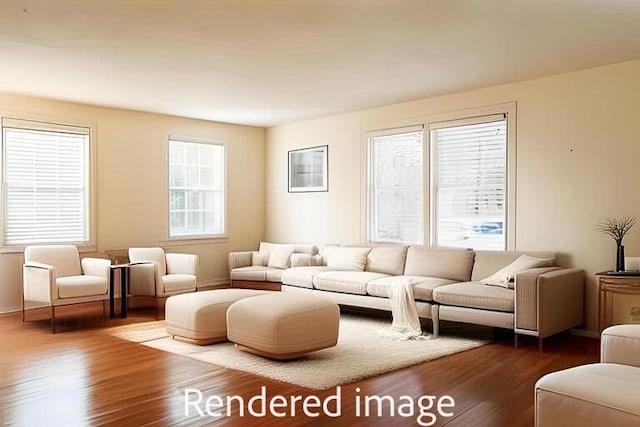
(124, 287)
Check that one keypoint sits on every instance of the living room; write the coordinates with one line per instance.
(264, 80)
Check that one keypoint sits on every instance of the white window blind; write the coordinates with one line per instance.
(469, 169)
(396, 188)
(196, 189)
(45, 183)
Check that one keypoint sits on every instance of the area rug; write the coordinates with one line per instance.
(360, 353)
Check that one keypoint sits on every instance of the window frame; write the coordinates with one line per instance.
(42, 122)
(370, 199)
(434, 170)
(509, 109)
(187, 238)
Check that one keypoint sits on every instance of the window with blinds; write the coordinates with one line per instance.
(469, 173)
(45, 183)
(396, 187)
(196, 189)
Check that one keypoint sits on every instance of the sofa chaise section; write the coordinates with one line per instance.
(543, 301)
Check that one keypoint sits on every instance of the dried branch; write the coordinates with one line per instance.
(616, 228)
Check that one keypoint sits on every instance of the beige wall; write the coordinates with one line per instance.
(578, 161)
(131, 189)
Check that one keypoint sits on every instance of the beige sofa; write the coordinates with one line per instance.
(446, 283)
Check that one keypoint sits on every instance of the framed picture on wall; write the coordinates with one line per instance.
(308, 169)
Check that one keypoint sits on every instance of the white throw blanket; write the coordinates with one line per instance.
(406, 323)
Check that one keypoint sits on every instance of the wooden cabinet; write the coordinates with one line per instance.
(618, 299)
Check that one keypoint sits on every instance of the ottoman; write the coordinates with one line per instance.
(201, 317)
(283, 326)
(600, 394)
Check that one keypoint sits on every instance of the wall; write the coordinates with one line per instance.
(578, 161)
(131, 189)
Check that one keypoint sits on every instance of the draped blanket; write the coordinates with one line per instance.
(406, 323)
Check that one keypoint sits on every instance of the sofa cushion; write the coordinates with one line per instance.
(301, 276)
(274, 275)
(255, 273)
(279, 257)
(488, 262)
(505, 276)
(422, 286)
(475, 295)
(452, 264)
(305, 260)
(387, 260)
(350, 258)
(350, 282)
(81, 286)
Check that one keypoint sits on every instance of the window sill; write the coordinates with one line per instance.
(20, 249)
(194, 240)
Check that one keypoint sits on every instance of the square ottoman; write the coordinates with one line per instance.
(600, 394)
(283, 326)
(201, 317)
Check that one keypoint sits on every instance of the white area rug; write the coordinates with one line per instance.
(360, 353)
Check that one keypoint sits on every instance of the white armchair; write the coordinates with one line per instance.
(55, 276)
(156, 273)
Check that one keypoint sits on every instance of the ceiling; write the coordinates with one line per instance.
(266, 62)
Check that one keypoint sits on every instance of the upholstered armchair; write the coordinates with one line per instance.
(156, 273)
(55, 275)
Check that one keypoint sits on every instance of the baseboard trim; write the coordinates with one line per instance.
(584, 333)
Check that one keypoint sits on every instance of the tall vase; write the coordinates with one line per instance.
(620, 258)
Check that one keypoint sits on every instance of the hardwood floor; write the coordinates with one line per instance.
(83, 376)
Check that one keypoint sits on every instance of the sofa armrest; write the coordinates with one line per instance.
(95, 267)
(182, 263)
(549, 300)
(621, 344)
(240, 259)
(38, 282)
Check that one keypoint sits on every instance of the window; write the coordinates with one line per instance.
(196, 189)
(396, 187)
(45, 177)
(469, 175)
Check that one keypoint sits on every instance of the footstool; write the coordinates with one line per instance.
(283, 326)
(600, 394)
(201, 317)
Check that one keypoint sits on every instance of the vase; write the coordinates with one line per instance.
(620, 258)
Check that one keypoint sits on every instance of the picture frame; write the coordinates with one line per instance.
(308, 170)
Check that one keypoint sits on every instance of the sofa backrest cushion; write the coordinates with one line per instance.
(64, 258)
(387, 259)
(305, 260)
(348, 258)
(488, 262)
(452, 264)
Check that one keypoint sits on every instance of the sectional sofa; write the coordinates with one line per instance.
(448, 284)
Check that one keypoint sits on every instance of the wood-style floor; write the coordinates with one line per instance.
(83, 376)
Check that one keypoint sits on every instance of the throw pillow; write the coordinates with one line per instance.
(348, 258)
(259, 259)
(505, 276)
(279, 257)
